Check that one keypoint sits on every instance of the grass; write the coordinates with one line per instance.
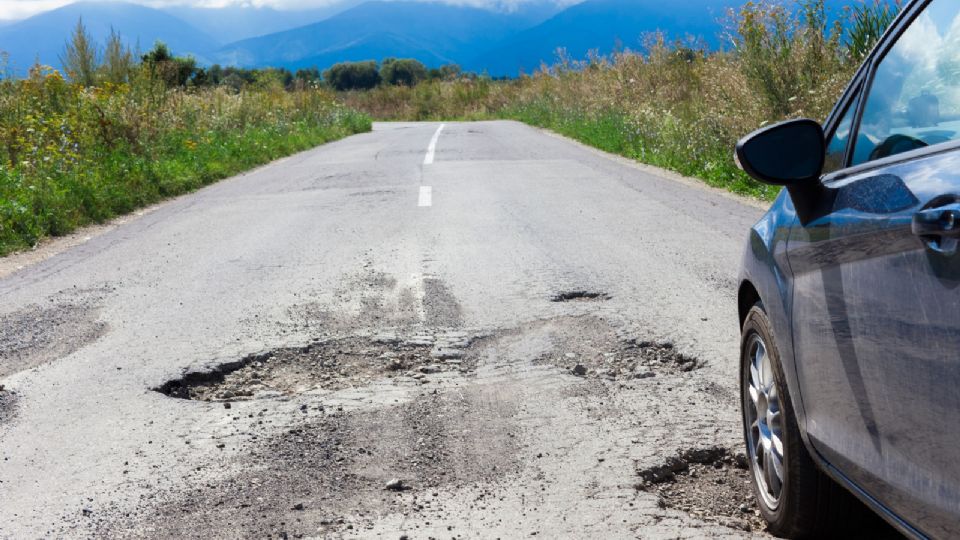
(674, 105)
(71, 155)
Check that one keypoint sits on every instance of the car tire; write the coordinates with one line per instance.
(807, 503)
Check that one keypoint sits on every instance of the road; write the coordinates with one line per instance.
(477, 331)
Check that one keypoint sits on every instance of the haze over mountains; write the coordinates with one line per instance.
(435, 34)
(500, 42)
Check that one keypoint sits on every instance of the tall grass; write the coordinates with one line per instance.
(673, 105)
(71, 155)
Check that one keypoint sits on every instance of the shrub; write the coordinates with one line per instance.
(402, 71)
(353, 75)
(174, 71)
(80, 56)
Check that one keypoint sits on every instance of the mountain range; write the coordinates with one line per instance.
(435, 34)
(502, 42)
(42, 37)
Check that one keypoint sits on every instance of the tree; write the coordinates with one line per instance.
(450, 72)
(80, 56)
(5, 72)
(118, 62)
(172, 70)
(306, 77)
(402, 71)
(353, 75)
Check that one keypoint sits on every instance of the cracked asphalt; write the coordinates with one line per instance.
(340, 360)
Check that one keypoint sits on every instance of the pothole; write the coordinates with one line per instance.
(334, 472)
(627, 359)
(580, 296)
(323, 365)
(710, 483)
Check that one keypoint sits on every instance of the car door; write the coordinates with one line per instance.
(876, 297)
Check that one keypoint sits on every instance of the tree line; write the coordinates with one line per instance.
(392, 71)
(90, 65)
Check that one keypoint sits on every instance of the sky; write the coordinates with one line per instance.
(21, 9)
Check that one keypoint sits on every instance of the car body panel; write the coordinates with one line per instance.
(877, 334)
(765, 268)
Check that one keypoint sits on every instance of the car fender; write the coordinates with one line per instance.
(765, 276)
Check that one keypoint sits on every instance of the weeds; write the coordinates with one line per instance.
(71, 155)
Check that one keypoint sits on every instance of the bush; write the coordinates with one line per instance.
(402, 72)
(353, 76)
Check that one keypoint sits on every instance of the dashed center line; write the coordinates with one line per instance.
(426, 196)
(432, 149)
(426, 192)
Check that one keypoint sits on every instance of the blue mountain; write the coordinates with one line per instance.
(42, 37)
(604, 26)
(434, 33)
(236, 22)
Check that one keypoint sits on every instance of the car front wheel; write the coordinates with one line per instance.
(794, 497)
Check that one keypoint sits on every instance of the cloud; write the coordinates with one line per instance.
(20, 9)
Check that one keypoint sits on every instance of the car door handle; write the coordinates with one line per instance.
(941, 221)
(939, 228)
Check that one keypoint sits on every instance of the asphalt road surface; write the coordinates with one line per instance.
(477, 331)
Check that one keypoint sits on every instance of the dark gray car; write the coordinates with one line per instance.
(850, 295)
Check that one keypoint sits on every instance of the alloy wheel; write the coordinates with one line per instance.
(764, 421)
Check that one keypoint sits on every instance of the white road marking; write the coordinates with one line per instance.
(432, 149)
(426, 196)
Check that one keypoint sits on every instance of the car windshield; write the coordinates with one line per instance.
(915, 98)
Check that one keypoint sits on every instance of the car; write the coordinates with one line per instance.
(849, 296)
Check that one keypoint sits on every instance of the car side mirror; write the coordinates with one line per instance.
(788, 154)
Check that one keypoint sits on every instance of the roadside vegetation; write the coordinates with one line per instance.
(119, 131)
(673, 105)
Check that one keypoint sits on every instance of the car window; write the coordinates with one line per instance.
(915, 97)
(837, 147)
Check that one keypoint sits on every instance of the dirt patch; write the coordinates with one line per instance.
(441, 308)
(589, 347)
(8, 405)
(714, 484)
(36, 334)
(710, 483)
(324, 365)
(368, 299)
(580, 296)
(374, 300)
(339, 472)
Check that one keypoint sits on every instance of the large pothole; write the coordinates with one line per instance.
(336, 472)
(622, 359)
(324, 365)
(710, 483)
